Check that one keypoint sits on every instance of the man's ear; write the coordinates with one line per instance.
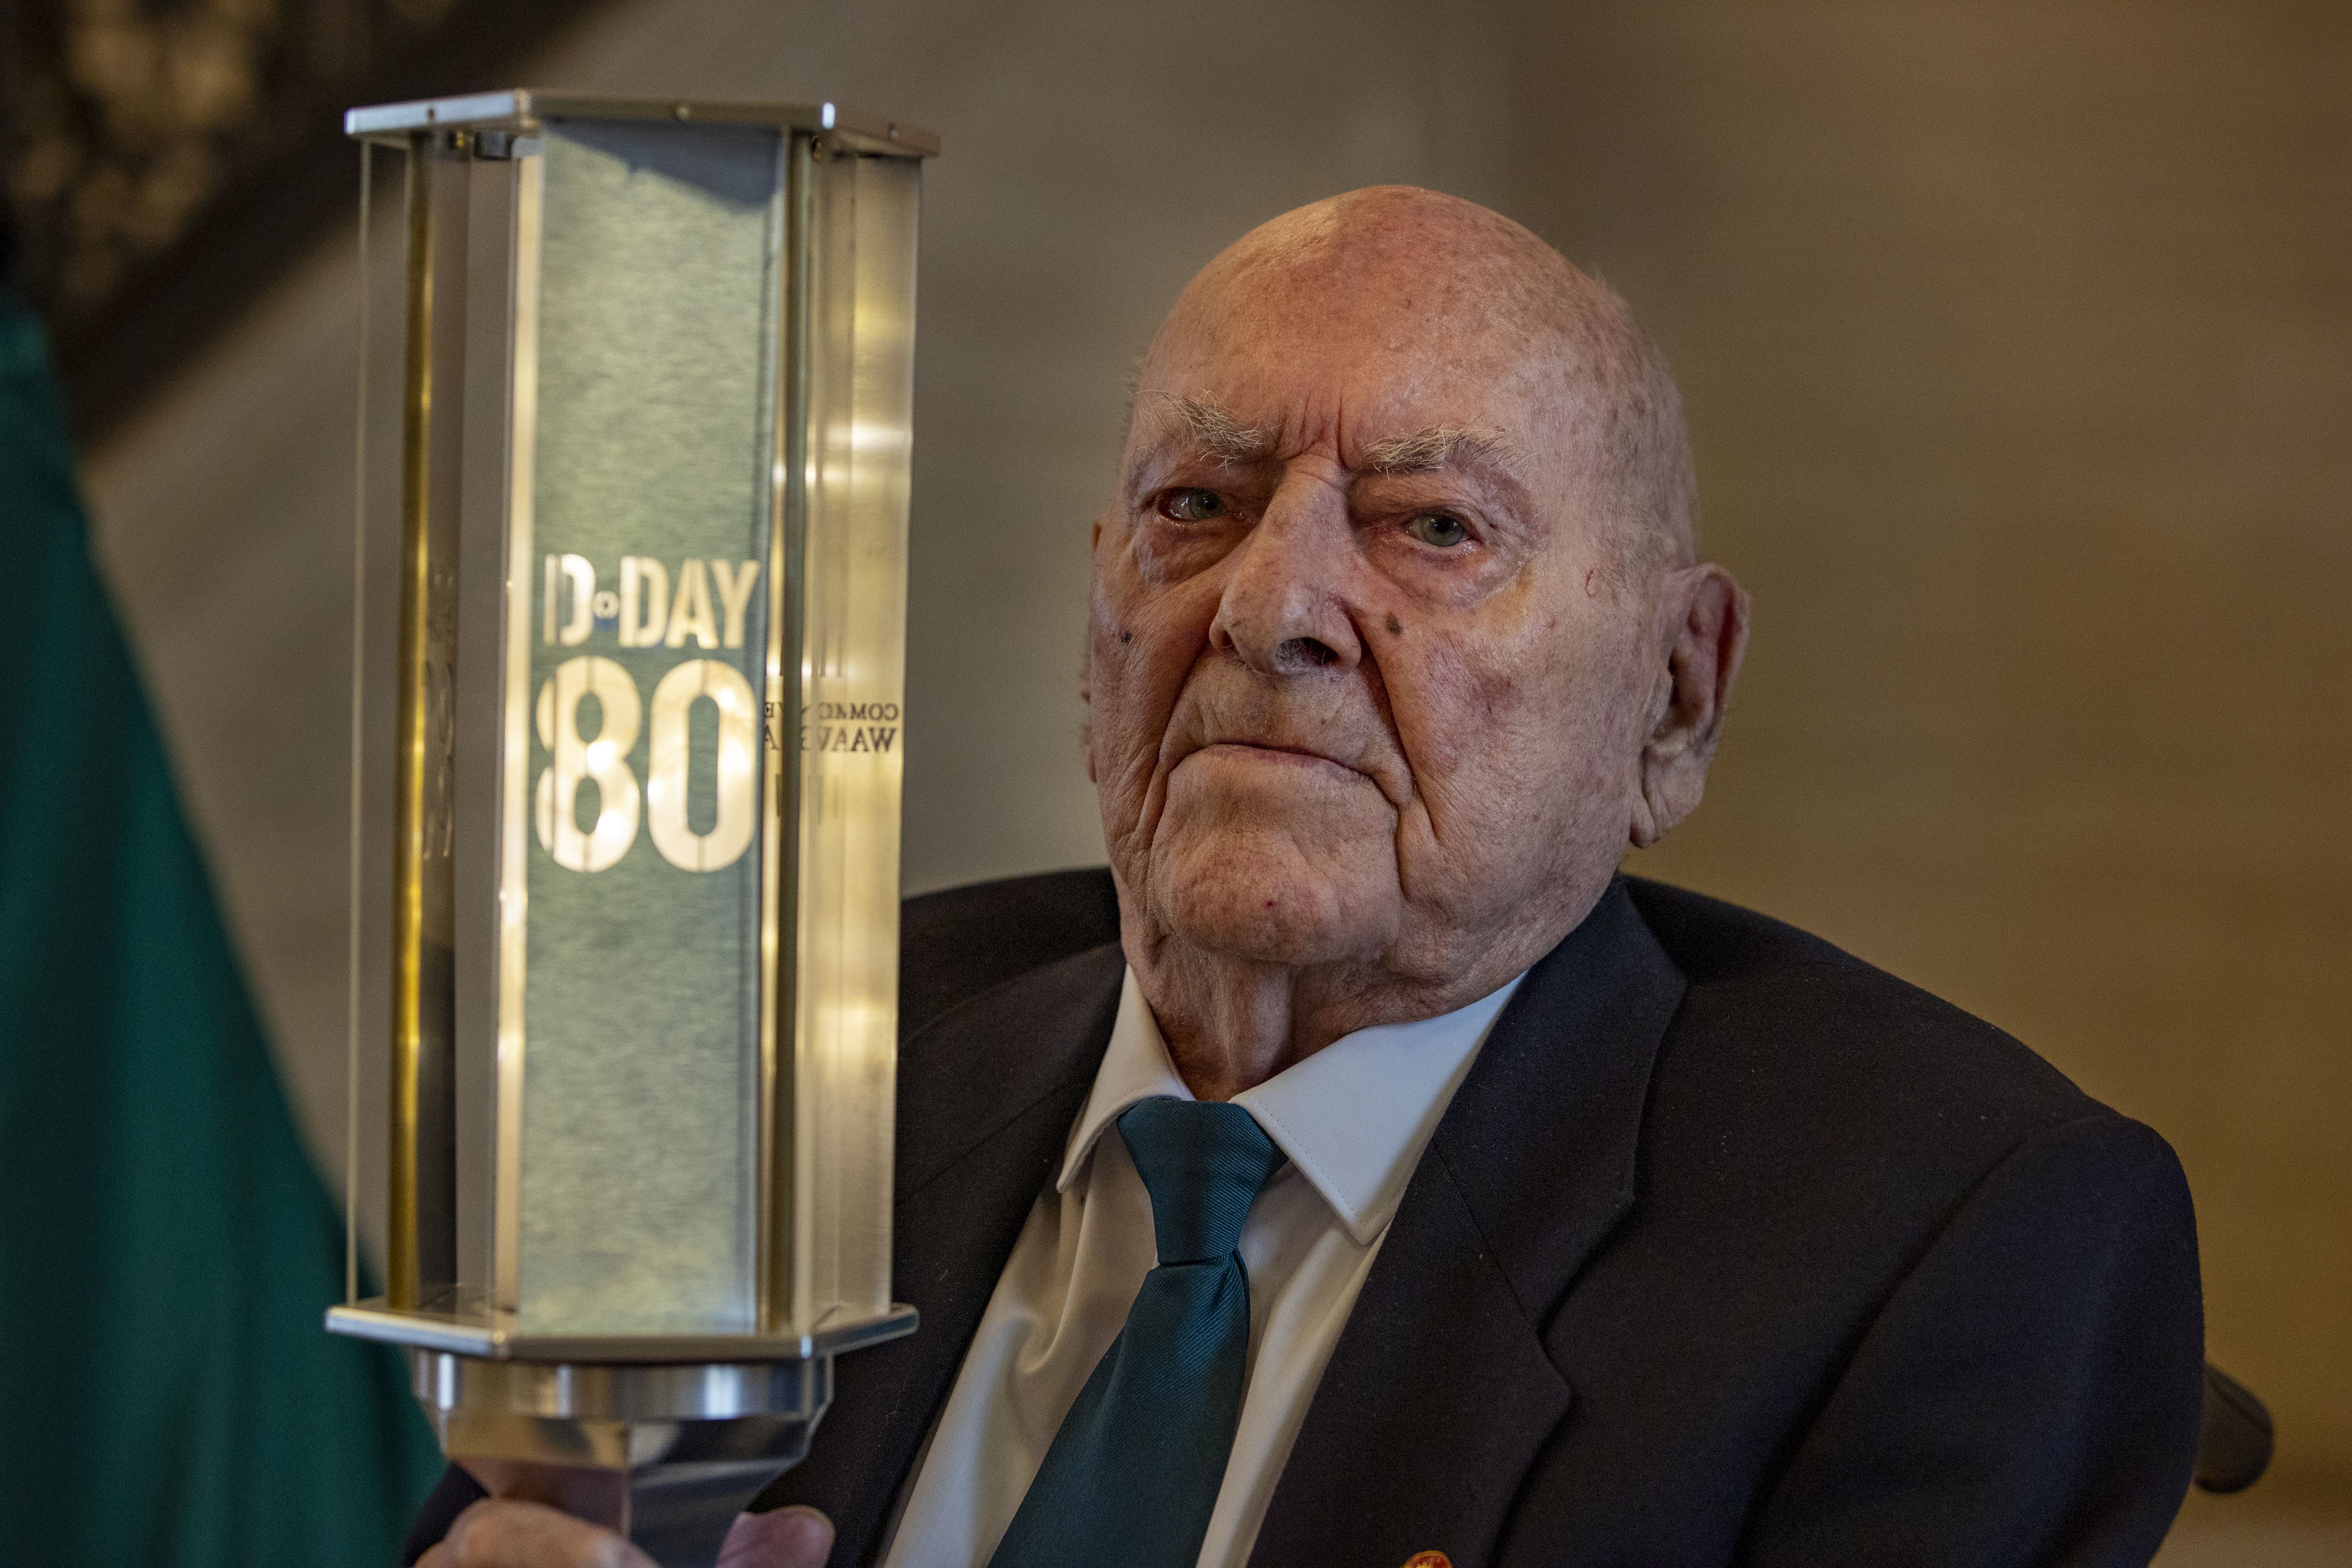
(1086, 671)
(1702, 633)
(1087, 701)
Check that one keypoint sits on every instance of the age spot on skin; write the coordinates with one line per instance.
(1127, 636)
(1396, 627)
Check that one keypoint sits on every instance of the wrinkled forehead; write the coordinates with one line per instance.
(1352, 361)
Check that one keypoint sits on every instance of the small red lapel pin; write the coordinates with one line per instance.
(1429, 1559)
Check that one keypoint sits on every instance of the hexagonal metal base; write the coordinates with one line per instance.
(667, 1454)
(662, 1439)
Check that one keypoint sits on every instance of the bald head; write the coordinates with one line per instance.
(1444, 281)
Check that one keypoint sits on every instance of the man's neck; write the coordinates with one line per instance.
(1230, 1024)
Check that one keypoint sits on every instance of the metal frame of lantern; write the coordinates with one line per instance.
(639, 1069)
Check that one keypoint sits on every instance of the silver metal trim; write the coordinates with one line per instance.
(356, 865)
(778, 1267)
(514, 794)
(687, 1391)
(522, 109)
(472, 1336)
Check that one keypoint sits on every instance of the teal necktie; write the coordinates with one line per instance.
(1133, 1473)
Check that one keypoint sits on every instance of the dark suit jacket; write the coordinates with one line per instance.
(1731, 1249)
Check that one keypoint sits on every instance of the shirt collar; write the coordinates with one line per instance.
(1354, 1116)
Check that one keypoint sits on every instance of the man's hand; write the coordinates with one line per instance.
(507, 1534)
(788, 1538)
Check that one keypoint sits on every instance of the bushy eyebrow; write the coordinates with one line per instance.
(1216, 429)
(1219, 434)
(1439, 446)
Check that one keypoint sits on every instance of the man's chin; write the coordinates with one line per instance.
(1260, 899)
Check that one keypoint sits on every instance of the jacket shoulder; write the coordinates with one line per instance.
(1780, 1005)
(1816, 1128)
(957, 944)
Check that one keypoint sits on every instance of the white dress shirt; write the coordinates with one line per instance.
(1354, 1117)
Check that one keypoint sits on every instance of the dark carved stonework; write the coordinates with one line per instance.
(163, 161)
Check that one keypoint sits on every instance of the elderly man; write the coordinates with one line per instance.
(1393, 1178)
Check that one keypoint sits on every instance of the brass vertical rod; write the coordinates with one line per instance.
(401, 1284)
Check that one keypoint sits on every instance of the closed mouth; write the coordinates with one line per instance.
(1266, 751)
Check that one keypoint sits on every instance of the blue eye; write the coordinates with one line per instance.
(1191, 506)
(1440, 529)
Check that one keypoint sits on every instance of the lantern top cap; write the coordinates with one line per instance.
(522, 109)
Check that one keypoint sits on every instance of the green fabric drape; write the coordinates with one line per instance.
(168, 1399)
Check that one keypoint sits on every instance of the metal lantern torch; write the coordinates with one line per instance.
(643, 417)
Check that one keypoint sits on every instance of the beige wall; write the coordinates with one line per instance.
(2016, 342)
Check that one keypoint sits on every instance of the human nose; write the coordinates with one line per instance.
(1281, 612)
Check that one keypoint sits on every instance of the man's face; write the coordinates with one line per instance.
(1364, 689)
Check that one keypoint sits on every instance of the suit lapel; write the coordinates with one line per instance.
(986, 1097)
(1440, 1393)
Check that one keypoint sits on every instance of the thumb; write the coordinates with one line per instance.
(792, 1537)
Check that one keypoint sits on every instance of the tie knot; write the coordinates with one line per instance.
(1202, 1164)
